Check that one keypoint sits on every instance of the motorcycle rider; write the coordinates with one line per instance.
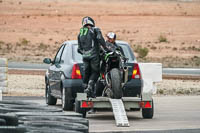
(111, 44)
(89, 39)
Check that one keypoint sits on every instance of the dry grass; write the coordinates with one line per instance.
(162, 38)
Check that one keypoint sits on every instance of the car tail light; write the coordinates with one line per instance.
(136, 72)
(76, 73)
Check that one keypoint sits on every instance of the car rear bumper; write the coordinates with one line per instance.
(132, 88)
(74, 84)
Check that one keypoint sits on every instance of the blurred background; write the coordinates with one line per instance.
(166, 31)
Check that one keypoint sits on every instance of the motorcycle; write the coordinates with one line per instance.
(113, 74)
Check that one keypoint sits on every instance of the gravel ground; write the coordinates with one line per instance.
(178, 87)
(33, 85)
(25, 85)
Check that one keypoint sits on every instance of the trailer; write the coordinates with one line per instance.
(144, 102)
(118, 106)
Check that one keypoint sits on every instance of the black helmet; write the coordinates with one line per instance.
(111, 35)
(88, 21)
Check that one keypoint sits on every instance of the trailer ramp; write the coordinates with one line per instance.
(119, 112)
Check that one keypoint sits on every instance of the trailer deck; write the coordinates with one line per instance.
(118, 106)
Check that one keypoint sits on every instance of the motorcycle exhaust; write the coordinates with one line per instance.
(125, 68)
(125, 74)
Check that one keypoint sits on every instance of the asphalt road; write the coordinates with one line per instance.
(173, 114)
(166, 71)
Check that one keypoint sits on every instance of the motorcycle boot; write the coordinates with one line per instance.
(89, 89)
(94, 91)
(84, 85)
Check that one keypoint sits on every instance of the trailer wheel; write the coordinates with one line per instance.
(148, 112)
(78, 108)
(50, 100)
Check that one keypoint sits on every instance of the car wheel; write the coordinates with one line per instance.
(148, 112)
(67, 103)
(50, 100)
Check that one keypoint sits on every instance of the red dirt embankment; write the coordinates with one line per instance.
(32, 30)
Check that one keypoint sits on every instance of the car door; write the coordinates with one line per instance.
(62, 68)
(66, 64)
(54, 72)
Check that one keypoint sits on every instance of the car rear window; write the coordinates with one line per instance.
(127, 51)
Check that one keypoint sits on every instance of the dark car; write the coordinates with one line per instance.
(64, 77)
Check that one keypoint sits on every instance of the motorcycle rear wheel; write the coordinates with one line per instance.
(116, 83)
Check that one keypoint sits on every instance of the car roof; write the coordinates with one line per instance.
(121, 42)
(71, 42)
(76, 42)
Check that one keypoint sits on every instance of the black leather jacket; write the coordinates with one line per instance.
(89, 41)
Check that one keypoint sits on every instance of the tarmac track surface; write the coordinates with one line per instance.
(173, 114)
(43, 67)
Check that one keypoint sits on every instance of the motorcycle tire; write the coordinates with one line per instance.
(115, 78)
